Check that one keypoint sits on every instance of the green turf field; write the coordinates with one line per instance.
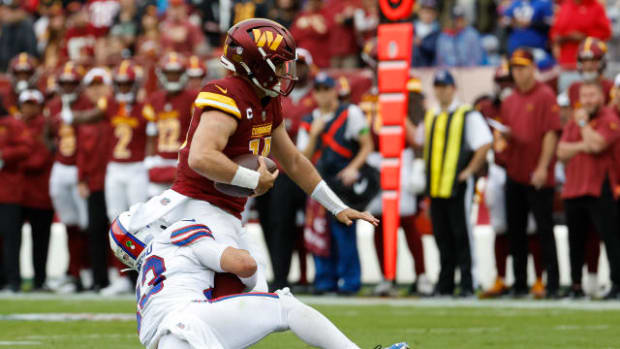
(423, 323)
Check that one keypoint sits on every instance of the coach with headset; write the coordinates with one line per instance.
(456, 140)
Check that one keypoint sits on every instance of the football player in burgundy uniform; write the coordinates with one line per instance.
(170, 108)
(23, 75)
(68, 204)
(196, 73)
(242, 115)
(126, 177)
(591, 63)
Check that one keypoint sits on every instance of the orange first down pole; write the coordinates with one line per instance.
(394, 51)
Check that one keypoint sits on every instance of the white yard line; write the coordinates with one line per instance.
(63, 317)
(13, 343)
(367, 301)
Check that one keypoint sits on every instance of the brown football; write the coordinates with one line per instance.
(249, 161)
(227, 284)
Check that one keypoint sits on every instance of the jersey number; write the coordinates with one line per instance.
(169, 131)
(255, 146)
(66, 144)
(123, 134)
(154, 267)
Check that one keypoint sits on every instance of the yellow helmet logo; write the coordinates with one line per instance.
(263, 38)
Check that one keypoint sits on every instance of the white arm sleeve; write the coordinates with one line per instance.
(209, 253)
(328, 199)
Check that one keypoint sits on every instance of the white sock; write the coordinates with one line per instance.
(311, 326)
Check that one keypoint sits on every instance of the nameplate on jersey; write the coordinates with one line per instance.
(261, 130)
(124, 120)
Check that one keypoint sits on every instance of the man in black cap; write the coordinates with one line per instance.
(456, 141)
(336, 137)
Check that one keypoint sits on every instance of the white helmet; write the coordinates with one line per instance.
(128, 247)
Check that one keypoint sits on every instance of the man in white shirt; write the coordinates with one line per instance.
(456, 141)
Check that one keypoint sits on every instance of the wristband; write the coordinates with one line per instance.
(245, 178)
(326, 197)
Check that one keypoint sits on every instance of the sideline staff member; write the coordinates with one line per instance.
(587, 149)
(533, 119)
(456, 143)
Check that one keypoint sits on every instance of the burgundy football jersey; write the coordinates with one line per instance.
(172, 113)
(235, 97)
(128, 127)
(65, 136)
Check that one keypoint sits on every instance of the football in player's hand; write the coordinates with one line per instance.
(248, 161)
(226, 284)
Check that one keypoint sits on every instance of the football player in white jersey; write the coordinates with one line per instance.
(177, 268)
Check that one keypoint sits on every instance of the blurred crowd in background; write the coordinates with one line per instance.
(99, 93)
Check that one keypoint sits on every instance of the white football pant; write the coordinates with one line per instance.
(68, 204)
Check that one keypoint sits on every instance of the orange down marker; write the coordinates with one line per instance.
(394, 51)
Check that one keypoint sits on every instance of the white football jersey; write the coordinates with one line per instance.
(179, 264)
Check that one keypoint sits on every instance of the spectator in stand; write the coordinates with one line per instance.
(343, 45)
(36, 202)
(148, 45)
(288, 201)
(80, 37)
(15, 148)
(101, 14)
(427, 31)
(127, 23)
(366, 20)
(16, 34)
(245, 9)
(50, 40)
(532, 116)
(310, 32)
(530, 22)
(459, 44)
(587, 149)
(284, 12)
(178, 34)
(574, 21)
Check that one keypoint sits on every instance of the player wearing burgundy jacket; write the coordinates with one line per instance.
(15, 146)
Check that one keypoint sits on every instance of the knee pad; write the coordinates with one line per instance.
(288, 303)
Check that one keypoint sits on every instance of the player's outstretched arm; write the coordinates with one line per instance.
(302, 172)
